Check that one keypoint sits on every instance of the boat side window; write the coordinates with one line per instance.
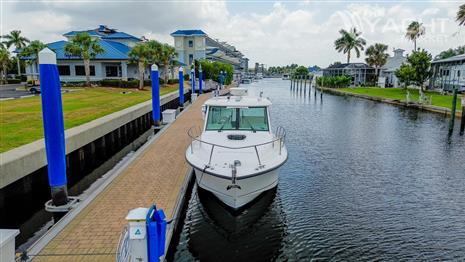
(253, 118)
(221, 118)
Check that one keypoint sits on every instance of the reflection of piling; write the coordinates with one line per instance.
(462, 124)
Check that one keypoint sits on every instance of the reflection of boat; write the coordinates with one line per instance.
(236, 156)
(215, 234)
(246, 81)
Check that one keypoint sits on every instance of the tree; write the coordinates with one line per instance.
(4, 59)
(32, 51)
(84, 46)
(421, 64)
(461, 15)
(301, 71)
(414, 30)
(15, 38)
(350, 40)
(142, 54)
(450, 52)
(376, 56)
(165, 56)
(405, 73)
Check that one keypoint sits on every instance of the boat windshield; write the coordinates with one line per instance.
(246, 118)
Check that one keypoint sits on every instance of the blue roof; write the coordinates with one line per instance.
(113, 51)
(120, 35)
(105, 33)
(189, 33)
(90, 32)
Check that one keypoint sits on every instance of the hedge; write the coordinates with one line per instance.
(14, 81)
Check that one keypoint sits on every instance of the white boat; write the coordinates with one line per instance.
(235, 155)
(285, 77)
(246, 81)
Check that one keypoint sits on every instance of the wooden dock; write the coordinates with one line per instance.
(156, 175)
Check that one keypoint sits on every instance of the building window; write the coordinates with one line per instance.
(191, 43)
(191, 59)
(64, 70)
(112, 71)
(80, 71)
(458, 73)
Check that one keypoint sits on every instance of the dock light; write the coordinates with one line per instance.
(200, 79)
(181, 87)
(54, 134)
(155, 95)
(221, 79)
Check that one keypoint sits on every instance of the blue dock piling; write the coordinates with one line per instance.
(200, 79)
(155, 95)
(52, 113)
(181, 87)
(221, 79)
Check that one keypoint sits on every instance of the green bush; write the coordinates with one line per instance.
(14, 81)
(186, 77)
(120, 83)
(334, 81)
(211, 70)
(173, 81)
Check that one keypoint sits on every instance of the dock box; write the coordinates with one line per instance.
(169, 115)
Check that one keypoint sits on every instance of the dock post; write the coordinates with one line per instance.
(54, 133)
(155, 95)
(193, 94)
(462, 124)
(181, 87)
(200, 79)
(221, 79)
(452, 114)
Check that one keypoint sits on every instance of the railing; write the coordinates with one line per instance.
(278, 137)
(122, 252)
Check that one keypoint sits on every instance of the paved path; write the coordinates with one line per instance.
(156, 176)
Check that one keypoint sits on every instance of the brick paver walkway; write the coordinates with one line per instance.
(156, 176)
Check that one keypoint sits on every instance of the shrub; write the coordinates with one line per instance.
(173, 81)
(186, 77)
(14, 81)
(119, 83)
(334, 81)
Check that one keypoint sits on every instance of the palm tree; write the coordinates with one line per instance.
(4, 59)
(32, 51)
(350, 40)
(461, 15)
(165, 57)
(414, 30)
(15, 38)
(376, 56)
(84, 46)
(142, 53)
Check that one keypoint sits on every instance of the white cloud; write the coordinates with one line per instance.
(302, 33)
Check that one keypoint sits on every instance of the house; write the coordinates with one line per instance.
(361, 73)
(447, 73)
(112, 64)
(195, 44)
(387, 77)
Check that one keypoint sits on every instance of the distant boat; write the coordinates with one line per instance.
(236, 156)
(285, 77)
(246, 81)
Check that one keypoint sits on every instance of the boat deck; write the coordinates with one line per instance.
(157, 175)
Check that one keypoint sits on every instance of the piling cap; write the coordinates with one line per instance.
(192, 70)
(137, 214)
(181, 69)
(154, 67)
(47, 56)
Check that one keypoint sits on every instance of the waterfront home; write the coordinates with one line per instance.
(360, 73)
(387, 77)
(112, 64)
(447, 73)
(195, 44)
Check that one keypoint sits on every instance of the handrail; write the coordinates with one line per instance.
(279, 135)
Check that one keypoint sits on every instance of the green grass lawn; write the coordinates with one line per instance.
(21, 119)
(401, 94)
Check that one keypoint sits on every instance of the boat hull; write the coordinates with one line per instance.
(244, 191)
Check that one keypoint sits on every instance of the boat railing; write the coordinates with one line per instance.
(279, 137)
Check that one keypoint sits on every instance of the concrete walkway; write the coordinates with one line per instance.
(155, 176)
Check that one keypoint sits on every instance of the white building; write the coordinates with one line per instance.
(387, 77)
(448, 72)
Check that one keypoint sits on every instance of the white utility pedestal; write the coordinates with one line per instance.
(169, 115)
(7, 244)
(137, 235)
(194, 97)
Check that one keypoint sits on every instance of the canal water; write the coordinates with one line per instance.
(364, 181)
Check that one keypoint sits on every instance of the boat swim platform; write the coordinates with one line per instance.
(157, 174)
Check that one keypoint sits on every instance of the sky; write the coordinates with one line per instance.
(268, 32)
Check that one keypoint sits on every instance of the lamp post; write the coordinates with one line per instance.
(193, 80)
(221, 79)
